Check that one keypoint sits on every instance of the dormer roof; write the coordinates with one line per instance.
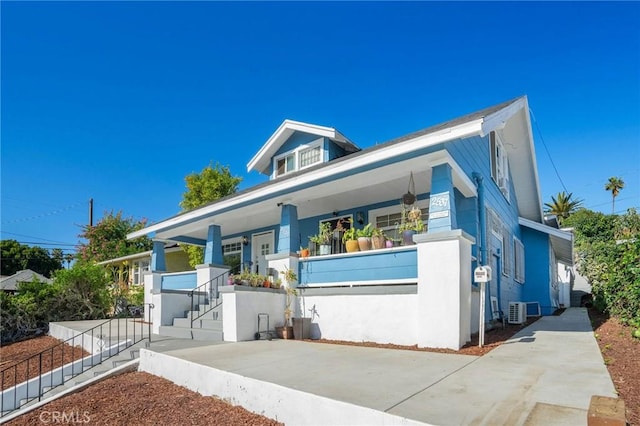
(262, 160)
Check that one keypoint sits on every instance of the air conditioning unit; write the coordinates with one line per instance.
(517, 312)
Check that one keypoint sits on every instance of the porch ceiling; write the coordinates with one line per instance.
(341, 193)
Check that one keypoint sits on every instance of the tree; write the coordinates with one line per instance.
(108, 238)
(17, 257)
(211, 184)
(614, 184)
(562, 205)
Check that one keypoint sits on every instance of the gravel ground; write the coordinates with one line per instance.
(13, 353)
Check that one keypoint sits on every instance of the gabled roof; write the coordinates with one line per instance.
(262, 160)
(512, 116)
(11, 282)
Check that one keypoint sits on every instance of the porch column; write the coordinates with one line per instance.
(442, 206)
(289, 235)
(444, 289)
(152, 286)
(158, 263)
(213, 248)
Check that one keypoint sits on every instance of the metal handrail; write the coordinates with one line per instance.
(207, 291)
(96, 332)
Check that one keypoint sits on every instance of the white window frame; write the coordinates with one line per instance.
(395, 209)
(234, 241)
(499, 163)
(296, 153)
(138, 268)
(499, 236)
(518, 254)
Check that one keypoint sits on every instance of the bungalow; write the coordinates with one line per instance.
(470, 185)
(10, 284)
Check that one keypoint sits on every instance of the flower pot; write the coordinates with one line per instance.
(364, 243)
(284, 332)
(266, 284)
(325, 249)
(313, 248)
(407, 237)
(304, 253)
(301, 328)
(389, 243)
(352, 246)
(377, 242)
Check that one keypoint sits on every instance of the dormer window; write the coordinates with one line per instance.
(300, 158)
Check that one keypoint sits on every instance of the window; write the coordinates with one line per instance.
(232, 255)
(518, 249)
(388, 218)
(497, 228)
(300, 158)
(499, 163)
(139, 268)
(310, 156)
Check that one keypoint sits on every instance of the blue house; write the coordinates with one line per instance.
(475, 184)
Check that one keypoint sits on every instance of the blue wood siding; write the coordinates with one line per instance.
(374, 265)
(537, 268)
(473, 155)
(184, 281)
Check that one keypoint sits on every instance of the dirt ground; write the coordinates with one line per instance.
(13, 353)
(141, 399)
(621, 354)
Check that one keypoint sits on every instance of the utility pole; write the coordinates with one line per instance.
(90, 212)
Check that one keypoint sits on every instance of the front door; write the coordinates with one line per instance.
(261, 245)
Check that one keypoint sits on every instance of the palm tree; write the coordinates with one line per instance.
(562, 205)
(615, 184)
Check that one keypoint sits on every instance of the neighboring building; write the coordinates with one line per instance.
(131, 269)
(10, 284)
(476, 184)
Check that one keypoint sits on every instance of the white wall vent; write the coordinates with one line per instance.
(495, 312)
(517, 312)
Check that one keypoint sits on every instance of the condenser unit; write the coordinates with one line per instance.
(517, 312)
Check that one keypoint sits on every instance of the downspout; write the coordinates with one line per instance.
(477, 177)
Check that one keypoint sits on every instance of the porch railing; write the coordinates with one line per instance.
(38, 382)
(205, 294)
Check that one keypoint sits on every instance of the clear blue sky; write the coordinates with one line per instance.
(119, 101)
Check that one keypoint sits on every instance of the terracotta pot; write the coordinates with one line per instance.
(304, 253)
(377, 242)
(364, 243)
(284, 332)
(267, 284)
(352, 246)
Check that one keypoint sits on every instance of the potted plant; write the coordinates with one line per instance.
(350, 239)
(314, 243)
(364, 237)
(411, 223)
(377, 238)
(277, 283)
(324, 236)
(304, 252)
(286, 331)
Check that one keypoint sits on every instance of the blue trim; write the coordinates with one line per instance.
(158, 263)
(184, 281)
(213, 248)
(374, 265)
(189, 240)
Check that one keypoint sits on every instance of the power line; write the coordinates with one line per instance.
(547, 150)
(39, 216)
(37, 238)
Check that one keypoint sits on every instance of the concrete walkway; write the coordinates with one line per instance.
(544, 375)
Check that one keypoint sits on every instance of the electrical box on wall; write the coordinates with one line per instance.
(482, 274)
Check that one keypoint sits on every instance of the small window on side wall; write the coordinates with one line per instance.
(499, 163)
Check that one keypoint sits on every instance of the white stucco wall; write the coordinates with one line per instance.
(385, 318)
(244, 304)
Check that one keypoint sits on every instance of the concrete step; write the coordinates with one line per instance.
(191, 333)
(213, 314)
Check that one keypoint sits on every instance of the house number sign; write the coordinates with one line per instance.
(439, 201)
